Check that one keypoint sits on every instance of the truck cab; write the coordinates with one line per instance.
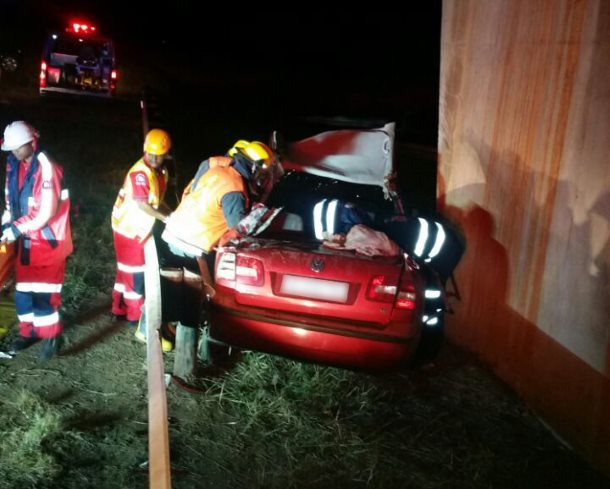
(78, 61)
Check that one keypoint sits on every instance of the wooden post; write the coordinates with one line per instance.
(186, 344)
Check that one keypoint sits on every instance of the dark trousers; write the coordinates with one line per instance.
(181, 290)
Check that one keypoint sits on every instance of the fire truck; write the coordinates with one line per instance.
(78, 61)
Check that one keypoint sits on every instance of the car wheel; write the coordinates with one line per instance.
(9, 64)
(430, 343)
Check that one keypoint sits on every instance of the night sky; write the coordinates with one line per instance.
(314, 32)
(329, 57)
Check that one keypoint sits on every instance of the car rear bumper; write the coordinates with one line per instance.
(318, 344)
(74, 91)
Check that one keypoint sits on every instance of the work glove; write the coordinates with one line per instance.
(8, 236)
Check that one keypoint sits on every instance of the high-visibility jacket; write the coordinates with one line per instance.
(205, 165)
(198, 223)
(42, 240)
(439, 244)
(127, 218)
(334, 216)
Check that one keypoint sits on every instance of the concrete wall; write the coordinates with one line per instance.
(524, 167)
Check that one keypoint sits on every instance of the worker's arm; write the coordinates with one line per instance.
(150, 210)
(234, 210)
(142, 195)
(164, 208)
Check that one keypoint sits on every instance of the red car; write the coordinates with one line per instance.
(285, 291)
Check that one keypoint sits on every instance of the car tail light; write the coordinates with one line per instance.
(403, 297)
(54, 74)
(225, 266)
(249, 271)
(43, 75)
(114, 75)
(379, 291)
(406, 297)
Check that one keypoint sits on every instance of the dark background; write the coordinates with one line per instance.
(300, 59)
(226, 73)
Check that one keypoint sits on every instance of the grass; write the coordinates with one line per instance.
(29, 426)
(272, 422)
(90, 269)
(301, 425)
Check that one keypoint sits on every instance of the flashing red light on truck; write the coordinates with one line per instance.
(81, 28)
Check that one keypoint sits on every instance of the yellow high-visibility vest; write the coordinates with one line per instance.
(127, 218)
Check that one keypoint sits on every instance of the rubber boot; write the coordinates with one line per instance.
(141, 335)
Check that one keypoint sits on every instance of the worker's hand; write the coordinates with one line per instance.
(208, 291)
(230, 235)
(8, 236)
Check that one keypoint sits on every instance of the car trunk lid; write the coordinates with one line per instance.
(309, 279)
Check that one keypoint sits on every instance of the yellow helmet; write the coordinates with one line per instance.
(259, 153)
(242, 143)
(157, 142)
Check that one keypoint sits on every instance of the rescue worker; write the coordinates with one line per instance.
(212, 205)
(217, 198)
(332, 217)
(433, 241)
(138, 204)
(37, 219)
(434, 244)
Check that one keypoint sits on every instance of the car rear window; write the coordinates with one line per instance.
(79, 47)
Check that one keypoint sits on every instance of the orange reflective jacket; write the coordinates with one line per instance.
(198, 223)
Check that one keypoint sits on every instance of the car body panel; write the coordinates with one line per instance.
(331, 281)
(312, 342)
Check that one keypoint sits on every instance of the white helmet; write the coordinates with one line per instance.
(17, 134)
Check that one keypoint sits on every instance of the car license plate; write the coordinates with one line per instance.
(314, 288)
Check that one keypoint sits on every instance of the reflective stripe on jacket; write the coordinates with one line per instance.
(198, 223)
(127, 218)
(42, 240)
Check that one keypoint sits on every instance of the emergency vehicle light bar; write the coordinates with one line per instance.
(80, 28)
